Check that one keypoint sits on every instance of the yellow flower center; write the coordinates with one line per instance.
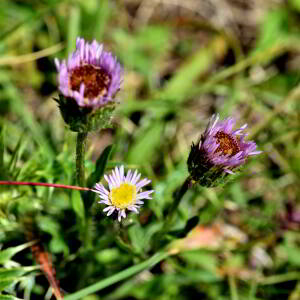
(123, 196)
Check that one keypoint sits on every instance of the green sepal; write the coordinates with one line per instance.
(85, 119)
(203, 172)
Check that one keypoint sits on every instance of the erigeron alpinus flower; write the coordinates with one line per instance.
(90, 75)
(124, 192)
(220, 151)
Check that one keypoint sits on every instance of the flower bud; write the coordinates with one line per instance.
(220, 151)
(88, 82)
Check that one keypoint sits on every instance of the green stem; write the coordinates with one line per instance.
(233, 288)
(152, 261)
(175, 204)
(275, 279)
(80, 152)
(171, 213)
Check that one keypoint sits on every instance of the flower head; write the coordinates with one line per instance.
(124, 192)
(220, 151)
(90, 75)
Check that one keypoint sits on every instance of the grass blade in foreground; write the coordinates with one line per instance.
(152, 261)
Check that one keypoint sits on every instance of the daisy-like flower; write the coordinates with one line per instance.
(90, 75)
(124, 192)
(220, 151)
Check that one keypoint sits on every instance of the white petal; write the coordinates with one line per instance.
(142, 183)
(99, 51)
(128, 176)
(107, 208)
(112, 181)
(107, 180)
(134, 181)
(122, 173)
(228, 171)
(133, 208)
(255, 152)
(117, 172)
(107, 202)
(101, 188)
(120, 216)
(134, 176)
(115, 178)
(112, 209)
(57, 64)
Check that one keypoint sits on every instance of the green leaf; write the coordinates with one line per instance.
(73, 27)
(49, 225)
(295, 4)
(1, 146)
(9, 297)
(133, 270)
(18, 107)
(137, 237)
(3, 174)
(274, 28)
(143, 50)
(7, 282)
(14, 272)
(97, 175)
(100, 167)
(201, 259)
(7, 254)
(293, 255)
(77, 205)
(101, 18)
(17, 153)
(201, 276)
(193, 68)
(146, 145)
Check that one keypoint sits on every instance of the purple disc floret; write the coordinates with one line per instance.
(90, 75)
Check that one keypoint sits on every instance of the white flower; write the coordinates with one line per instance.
(124, 192)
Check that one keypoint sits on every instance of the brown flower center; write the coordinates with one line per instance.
(95, 79)
(227, 144)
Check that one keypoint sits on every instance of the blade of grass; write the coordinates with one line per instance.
(35, 16)
(275, 279)
(192, 69)
(73, 27)
(1, 146)
(152, 261)
(233, 288)
(259, 58)
(15, 60)
(101, 17)
(20, 109)
(292, 96)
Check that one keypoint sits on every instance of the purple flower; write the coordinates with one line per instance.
(220, 150)
(124, 192)
(91, 75)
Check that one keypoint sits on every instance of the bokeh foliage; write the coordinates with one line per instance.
(184, 60)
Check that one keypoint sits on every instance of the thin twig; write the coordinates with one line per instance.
(16, 60)
(55, 185)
